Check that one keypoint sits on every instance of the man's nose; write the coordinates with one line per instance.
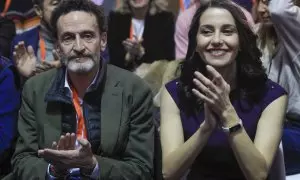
(79, 45)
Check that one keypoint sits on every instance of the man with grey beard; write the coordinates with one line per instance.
(85, 119)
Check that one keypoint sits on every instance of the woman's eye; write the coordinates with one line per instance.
(229, 32)
(205, 31)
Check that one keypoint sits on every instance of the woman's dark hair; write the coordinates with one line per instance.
(251, 75)
(67, 6)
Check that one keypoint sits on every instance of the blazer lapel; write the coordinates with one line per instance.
(111, 111)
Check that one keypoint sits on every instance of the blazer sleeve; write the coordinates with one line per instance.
(25, 161)
(114, 41)
(136, 162)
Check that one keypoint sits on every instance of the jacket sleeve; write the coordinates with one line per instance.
(136, 162)
(115, 46)
(9, 107)
(169, 30)
(26, 163)
(285, 16)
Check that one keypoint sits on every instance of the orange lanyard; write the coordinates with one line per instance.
(181, 5)
(42, 48)
(118, 4)
(81, 131)
(131, 31)
(6, 6)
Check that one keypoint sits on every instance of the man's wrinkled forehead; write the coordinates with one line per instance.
(77, 21)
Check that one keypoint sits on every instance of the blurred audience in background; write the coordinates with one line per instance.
(108, 5)
(33, 50)
(21, 12)
(140, 32)
(279, 40)
(7, 33)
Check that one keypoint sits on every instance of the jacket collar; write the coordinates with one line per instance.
(59, 93)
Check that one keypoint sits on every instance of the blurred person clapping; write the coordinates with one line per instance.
(140, 32)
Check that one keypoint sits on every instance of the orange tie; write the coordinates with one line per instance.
(81, 131)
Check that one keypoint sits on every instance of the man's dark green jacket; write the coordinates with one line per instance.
(121, 131)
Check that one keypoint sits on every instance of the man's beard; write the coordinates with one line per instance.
(73, 65)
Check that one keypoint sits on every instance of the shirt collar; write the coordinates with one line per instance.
(67, 85)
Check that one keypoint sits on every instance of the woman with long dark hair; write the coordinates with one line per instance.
(222, 118)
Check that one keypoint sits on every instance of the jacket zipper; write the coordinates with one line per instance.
(85, 121)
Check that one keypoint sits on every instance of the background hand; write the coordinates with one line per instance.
(45, 65)
(25, 59)
(134, 47)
